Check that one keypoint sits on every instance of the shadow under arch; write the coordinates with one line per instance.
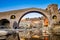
(31, 12)
(4, 22)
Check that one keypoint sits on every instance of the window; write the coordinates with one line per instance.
(54, 17)
(12, 17)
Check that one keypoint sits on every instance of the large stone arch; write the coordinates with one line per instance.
(41, 11)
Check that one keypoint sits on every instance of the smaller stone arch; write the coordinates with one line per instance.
(4, 23)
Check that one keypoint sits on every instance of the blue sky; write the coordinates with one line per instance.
(7, 5)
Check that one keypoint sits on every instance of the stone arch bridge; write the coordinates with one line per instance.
(18, 14)
(51, 12)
